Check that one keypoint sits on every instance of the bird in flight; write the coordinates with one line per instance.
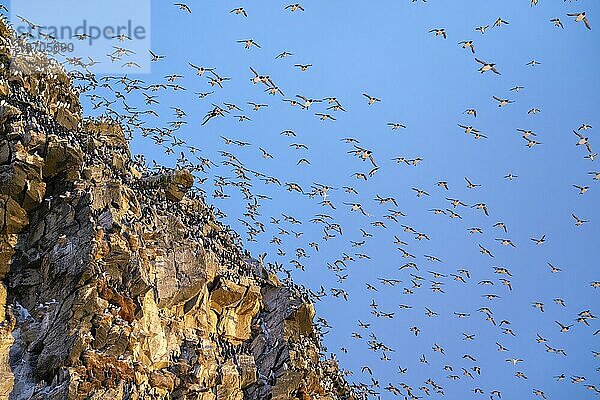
(155, 57)
(468, 44)
(201, 70)
(482, 29)
(184, 7)
(487, 66)
(303, 67)
(294, 7)
(248, 43)
(439, 32)
(502, 102)
(283, 54)
(499, 22)
(372, 100)
(239, 11)
(557, 22)
(581, 17)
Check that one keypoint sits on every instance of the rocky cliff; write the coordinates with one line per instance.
(119, 283)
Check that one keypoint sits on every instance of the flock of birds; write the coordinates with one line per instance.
(380, 218)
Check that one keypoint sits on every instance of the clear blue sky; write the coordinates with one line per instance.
(384, 48)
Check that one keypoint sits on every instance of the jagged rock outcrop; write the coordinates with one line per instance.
(119, 283)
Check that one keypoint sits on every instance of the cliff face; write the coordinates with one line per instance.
(118, 283)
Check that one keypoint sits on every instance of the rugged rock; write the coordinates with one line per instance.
(118, 282)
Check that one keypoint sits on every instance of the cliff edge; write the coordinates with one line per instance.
(119, 283)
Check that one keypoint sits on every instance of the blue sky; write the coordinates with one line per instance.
(425, 82)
